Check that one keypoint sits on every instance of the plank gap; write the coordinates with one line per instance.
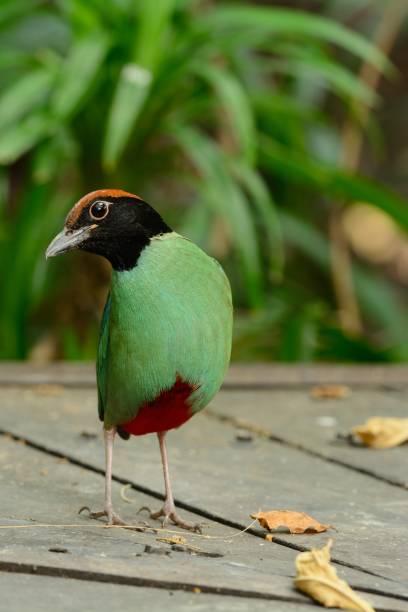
(136, 581)
(190, 508)
(265, 433)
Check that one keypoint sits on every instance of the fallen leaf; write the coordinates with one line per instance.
(269, 537)
(380, 432)
(318, 579)
(296, 522)
(330, 391)
(173, 540)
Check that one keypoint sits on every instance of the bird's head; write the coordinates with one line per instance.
(112, 223)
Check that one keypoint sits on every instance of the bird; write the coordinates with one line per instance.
(166, 329)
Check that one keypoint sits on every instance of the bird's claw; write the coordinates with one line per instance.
(170, 514)
(113, 518)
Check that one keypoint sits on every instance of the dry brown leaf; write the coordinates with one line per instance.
(296, 522)
(318, 579)
(269, 537)
(330, 391)
(176, 539)
(379, 432)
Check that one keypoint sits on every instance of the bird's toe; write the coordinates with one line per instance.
(167, 515)
(112, 517)
(145, 509)
(177, 520)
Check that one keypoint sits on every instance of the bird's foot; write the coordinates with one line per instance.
(168, 513)
(113, 518)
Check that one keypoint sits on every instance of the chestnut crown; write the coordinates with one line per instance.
(110, 222)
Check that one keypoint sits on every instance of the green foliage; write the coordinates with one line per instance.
(209, 110)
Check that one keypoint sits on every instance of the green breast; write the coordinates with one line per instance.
(169, 316)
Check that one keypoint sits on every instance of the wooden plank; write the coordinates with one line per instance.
(239, 376)
(219, 476)
(305, 375)
(314, 424)
(46, 594)
(37, 489)
(40, 489)
(68, 595)
(60, 372)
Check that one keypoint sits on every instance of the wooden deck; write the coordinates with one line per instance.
(286, 456)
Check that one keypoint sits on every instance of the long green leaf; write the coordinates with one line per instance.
(21, 137)
(131, 92)
(339, 79)
(14, 59)
(136, 77)
(20, 261)
(24, 95)
(329, 180)
(235, 104)
(79, 72)
(268, 215)
(299, 334)
(154, 19)
(37, 31)
(277, 21)
(51, 154)
(226, 199)
(301, 60)
(12, 9)
(196, 222)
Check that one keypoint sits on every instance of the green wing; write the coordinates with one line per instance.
(102, 359)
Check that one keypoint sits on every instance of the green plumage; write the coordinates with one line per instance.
(170, 316)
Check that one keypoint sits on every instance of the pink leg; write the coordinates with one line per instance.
(113, 518)
(168, 511)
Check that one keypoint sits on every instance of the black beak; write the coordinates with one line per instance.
(67, 240)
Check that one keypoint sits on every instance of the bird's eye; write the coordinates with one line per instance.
(99, 210)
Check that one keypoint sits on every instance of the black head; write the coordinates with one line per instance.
(112, 223)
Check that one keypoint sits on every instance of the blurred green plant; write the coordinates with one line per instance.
(218, 114)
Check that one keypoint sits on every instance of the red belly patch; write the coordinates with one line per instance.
(169, 410)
